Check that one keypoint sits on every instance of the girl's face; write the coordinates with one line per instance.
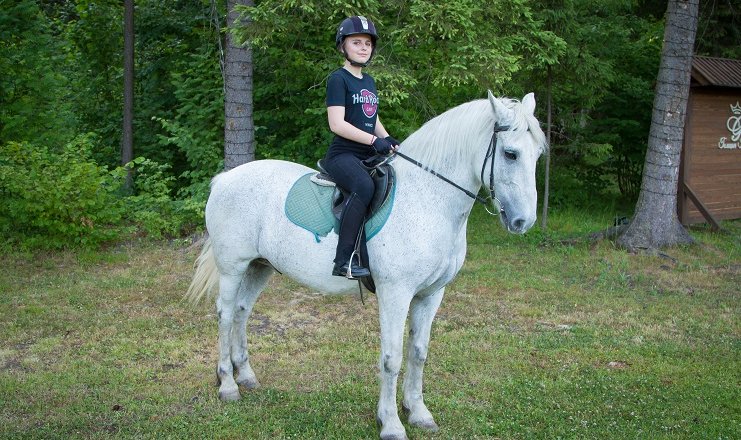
(358, 47)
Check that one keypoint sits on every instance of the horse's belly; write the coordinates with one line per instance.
(295, 253)
(327, 284)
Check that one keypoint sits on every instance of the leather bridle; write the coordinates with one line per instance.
(489, 156)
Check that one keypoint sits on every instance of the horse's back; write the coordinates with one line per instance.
(256, 180)
(258, 174)
(244, 198)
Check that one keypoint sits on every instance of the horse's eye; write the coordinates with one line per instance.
(511, 155)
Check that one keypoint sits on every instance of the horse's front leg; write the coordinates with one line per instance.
(393, 308)
(422, 313)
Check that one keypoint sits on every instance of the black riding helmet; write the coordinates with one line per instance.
(357, 24)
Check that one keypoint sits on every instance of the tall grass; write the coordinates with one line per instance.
(541, 336)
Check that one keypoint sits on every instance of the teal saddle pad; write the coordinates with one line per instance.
(309, 206)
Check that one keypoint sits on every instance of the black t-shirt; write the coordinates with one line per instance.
(360, 99)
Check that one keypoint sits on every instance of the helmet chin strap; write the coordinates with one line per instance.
(355, 63)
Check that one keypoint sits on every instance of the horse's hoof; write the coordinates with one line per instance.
(401, 436)
(229, 395)
(427, 425)
(391, 435)
(249, 384)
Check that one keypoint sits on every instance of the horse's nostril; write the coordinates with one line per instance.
(518, 224)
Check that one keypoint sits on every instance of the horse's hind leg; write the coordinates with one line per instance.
(225, 307)
(253, 282)
(237, 295)
(422, 312)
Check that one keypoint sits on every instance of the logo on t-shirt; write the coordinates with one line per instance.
(369, 102)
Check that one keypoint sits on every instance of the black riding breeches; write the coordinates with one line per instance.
(350, 174)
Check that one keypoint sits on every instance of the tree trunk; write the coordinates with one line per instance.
(239, 129)
(127, 140)
(655, 223)
(547, 184)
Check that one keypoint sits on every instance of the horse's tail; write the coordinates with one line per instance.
(206, 279)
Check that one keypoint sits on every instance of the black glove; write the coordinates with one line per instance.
(393, 141)
(382, 146)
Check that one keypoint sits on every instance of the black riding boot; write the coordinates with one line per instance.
(353, 216)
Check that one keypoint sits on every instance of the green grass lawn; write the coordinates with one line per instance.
(540, 336)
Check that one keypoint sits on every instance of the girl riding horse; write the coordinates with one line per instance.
(352, 111)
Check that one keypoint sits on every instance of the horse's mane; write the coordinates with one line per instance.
(453, 135)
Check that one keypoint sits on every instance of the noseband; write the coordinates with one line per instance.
(489, 155)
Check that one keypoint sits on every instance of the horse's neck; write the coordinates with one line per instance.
(453, 144)
(438, 210)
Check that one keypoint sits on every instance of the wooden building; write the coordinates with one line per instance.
(710, 174)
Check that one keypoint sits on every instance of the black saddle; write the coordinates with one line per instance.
(380, 171)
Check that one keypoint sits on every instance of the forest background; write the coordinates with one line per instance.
(61, 97)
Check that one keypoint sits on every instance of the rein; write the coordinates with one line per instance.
(489, 155)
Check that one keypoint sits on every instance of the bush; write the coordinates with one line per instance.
(153, 211)
(54, 200)
(60, 200)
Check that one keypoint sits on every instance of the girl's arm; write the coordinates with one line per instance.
(380, 130)
(340, 127)
(382, 133)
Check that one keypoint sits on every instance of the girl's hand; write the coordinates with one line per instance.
(382, 146)
(393, 141)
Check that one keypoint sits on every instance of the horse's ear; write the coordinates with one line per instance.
(500, 110)
(528, 103)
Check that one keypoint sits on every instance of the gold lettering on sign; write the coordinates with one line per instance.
(733, 124)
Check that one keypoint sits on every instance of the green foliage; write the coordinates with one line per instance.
(58, 200)
(151, 209)
(55, 200)
(169, 36)
(34, 90)
(293, 46)
(197, 127)
(622, 117)
(61, 75)
(719, 29)
(94, 30)
(179, 80)
(602, 87)
(434, 55)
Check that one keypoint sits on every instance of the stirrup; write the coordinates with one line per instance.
(348, 274)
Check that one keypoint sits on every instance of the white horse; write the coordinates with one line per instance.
(417, 253)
